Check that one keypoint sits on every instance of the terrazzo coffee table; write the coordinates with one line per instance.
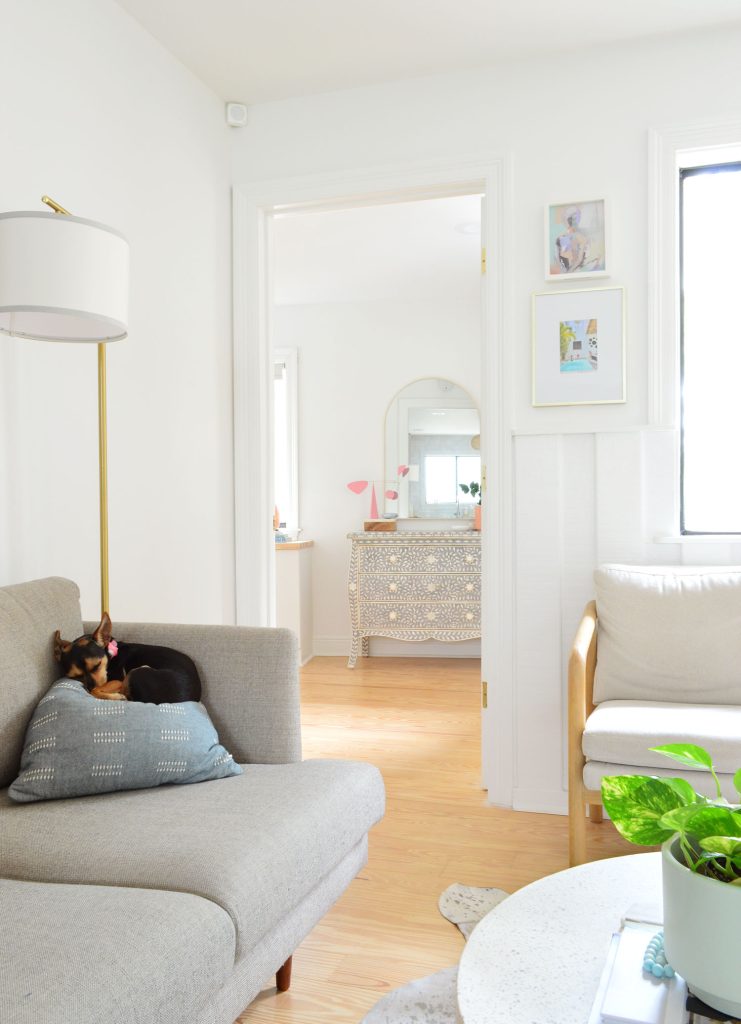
(538, 956)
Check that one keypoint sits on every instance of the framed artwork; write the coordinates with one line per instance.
(579, 347)
(575, 240)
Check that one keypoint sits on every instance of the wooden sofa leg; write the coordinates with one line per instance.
(283, 976)
(595, 813)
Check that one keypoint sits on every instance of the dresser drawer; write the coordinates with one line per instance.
(430, 558)
(423, 617)
(430, 587)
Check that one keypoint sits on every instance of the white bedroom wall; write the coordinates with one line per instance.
(353, 358)
(97, 114)
(592, 484)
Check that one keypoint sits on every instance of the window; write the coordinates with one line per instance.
(445, 473)
(710, 347)
(285, 436)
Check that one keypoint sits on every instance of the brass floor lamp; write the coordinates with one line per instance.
(64, 278)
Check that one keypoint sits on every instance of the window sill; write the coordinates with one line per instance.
(699, 538)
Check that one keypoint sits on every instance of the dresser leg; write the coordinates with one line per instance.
(365, 646)
(353, 651)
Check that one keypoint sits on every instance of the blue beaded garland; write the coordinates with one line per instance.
(654, 959)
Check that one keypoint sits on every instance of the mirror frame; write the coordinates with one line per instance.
(396, 442)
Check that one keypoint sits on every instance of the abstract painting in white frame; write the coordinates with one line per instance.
(579, 347)
(575, 240)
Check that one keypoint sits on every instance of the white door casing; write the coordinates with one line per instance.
(253, 206)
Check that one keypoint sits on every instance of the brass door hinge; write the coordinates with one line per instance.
(484, 694)
(483, 260)
(483, 480)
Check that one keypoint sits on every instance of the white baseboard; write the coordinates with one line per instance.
(381, 647)
(543, 801)
(331, 646)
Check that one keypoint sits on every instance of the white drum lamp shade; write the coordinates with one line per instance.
(62, 278)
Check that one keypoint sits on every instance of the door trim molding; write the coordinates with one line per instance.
(253, 205)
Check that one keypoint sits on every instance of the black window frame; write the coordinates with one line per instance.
(684, 173)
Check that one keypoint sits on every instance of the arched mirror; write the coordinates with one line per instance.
(432, 447)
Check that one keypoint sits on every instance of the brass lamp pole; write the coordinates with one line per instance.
(102, 448)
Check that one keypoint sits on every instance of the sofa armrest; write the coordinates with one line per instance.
(250, 683)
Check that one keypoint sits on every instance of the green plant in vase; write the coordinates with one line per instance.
(647, 810)
(701, 868)
(473, 489)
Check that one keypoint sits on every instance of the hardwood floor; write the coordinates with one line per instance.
(418, 720)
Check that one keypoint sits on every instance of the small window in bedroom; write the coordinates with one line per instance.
(285, 436)
(710, 347)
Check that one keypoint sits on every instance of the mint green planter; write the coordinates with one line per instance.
(702, 931)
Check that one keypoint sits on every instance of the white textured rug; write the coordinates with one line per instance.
(432, 1000)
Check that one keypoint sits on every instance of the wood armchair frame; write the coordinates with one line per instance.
(582, 663)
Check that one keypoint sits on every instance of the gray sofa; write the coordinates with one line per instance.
(174, 904)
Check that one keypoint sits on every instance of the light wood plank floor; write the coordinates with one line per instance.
(418, 720)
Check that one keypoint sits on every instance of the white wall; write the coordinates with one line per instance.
(97, 114)
(591, 484)
(353, 358)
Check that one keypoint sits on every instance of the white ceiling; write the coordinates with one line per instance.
(401, 252)
(258, 50)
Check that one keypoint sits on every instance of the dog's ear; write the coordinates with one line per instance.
(60, 646)
(104, 632)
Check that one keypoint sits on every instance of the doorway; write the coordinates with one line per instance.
(255, 209)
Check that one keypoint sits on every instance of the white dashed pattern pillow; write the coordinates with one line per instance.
(77, 745)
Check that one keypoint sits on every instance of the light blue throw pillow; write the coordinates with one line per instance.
(77, 745)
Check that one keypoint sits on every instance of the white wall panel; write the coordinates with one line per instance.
(578, 549)
(538, 541)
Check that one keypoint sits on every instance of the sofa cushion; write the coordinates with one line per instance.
(623, 731)
(77, 745)
(256, 843)
(29, 615)
(83, 954)
(668, 634)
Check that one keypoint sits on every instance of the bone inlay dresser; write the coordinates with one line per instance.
(414, 586)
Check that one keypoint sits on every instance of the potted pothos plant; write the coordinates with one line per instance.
(701, 869)
(474, 489)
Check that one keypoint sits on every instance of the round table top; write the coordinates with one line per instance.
(537, 957)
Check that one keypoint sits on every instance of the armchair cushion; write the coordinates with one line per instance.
(595, 771)
(623, 731)
(669, 634)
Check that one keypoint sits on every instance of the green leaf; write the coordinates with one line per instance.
(724, 846)
(711, 820)
(679, 819)
(685, 791)
(737, 781)
(687, 754)
(636, 805)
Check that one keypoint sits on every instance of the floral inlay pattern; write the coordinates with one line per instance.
(414, 586)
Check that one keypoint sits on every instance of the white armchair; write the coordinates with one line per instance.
(656, 659)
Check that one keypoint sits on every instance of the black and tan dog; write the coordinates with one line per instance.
(119, 671)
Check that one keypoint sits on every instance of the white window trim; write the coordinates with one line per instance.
(289, 357)
(668, 150)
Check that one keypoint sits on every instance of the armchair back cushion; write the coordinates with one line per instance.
(29, 615)
(669, 633)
